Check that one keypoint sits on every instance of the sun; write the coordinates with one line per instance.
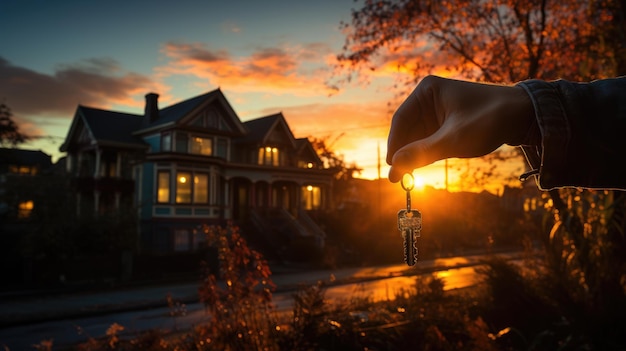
(418, 183)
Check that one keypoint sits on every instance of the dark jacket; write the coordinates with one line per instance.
(581, 135)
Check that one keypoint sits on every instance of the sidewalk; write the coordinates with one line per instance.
(36, 309)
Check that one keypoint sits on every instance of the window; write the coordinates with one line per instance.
(182, 142)
(202, 146)
(201, 189)
(311, 197)
(305, 164)
(269, 156)
(183, 187)
(222, 148)
(23, 170)
(166, 142)
(24, 209)
(190, 187)
(163, 187)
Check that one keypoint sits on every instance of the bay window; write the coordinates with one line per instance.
(163, 187)
(201, 188)
(183, 187)
(189, 187)
(202, 146)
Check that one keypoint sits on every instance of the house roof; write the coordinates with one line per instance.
(23, 157)
(181, 111)
(110, 126)
(174, 112)
(260, 129)
(104, 127)
(304, 146)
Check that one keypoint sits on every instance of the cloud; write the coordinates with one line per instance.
(95, 82)
(282, 70)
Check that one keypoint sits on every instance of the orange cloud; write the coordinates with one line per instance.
(284, 70)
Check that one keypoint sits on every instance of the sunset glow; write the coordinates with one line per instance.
(262, 65)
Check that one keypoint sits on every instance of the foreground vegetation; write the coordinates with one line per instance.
(516, 307)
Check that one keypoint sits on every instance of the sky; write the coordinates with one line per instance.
(266, 56)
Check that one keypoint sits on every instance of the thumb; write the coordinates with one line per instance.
(414, 155)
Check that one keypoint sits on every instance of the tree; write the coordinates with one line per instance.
(9, 130)
(343, 172)
(507, 41)
(497, 41)
(333, 161)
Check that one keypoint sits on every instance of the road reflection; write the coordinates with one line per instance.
(389, 288)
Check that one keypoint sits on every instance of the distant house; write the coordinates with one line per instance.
(192, 163)
(18, 169)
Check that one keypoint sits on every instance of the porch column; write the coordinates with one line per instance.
(96, 173)
(226, 199)
(118, 165)
(270, 199)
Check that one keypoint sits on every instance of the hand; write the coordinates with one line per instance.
(445, 118)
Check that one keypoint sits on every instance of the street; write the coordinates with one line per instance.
(375, 283)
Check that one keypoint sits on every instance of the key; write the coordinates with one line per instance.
(409, 223)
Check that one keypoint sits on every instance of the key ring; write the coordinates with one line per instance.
(409, 180)
(407, 183)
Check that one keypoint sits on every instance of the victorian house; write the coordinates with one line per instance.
(193, 163)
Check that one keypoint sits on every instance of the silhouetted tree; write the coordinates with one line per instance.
(9, 130)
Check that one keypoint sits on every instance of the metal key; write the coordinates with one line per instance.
(409, 223)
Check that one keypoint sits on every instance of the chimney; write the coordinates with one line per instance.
(151, 112)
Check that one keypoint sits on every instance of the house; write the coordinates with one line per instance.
(193, 163)
(18, 169)
(24, 179)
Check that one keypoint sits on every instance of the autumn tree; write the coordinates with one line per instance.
(9, 130)
(505, 41)
(494, 41)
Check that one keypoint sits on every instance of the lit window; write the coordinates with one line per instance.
(163, 187)
(311, 197)
(269, 156)
(183, 187)
(201, 188)
(25, 208)
(24, 170)
(202, 146)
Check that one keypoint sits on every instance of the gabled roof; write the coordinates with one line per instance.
(180, 111)
(105, 127)
(261, 129)
(173, 113)
(305, 150)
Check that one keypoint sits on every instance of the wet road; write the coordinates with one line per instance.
(374, 283)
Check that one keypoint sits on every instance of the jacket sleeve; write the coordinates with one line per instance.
(582, 130)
